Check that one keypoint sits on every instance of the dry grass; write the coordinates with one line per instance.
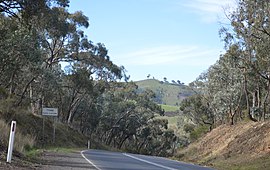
(232, 147)
(21, 142)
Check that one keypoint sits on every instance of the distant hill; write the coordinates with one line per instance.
(166, 93)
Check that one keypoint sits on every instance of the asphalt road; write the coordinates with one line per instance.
(105, 160)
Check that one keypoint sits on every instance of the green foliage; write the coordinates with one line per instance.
(239, 80)
(36, 38)
(198, 108)
(197, 132)
(188, 128)
(128, 121)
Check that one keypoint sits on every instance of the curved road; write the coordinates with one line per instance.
(106, 160)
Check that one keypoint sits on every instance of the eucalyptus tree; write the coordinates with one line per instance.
(20, 57)
(121, 116)
(226, 85)
(28, 8)
(251, 32)
(198, 108)
(40, 35)
(34, 37)
(128, 121)
(155, 138)
(220, 92)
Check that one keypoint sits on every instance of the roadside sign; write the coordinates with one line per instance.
(49, 111)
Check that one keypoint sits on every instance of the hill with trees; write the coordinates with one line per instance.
(96, 101)
(166, 93)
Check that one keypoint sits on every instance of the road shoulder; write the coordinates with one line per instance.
(63, 161)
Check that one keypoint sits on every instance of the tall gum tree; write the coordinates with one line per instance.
(251, 32)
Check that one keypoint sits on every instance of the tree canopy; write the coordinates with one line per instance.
(237, 86)
(92, 94)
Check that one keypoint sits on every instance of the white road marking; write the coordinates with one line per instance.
(89, 160)
(152, 163)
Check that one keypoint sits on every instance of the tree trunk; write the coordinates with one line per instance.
(122, 142)
(32, 105)
(247, 100)
(265, 100)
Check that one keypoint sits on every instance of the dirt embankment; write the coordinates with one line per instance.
(237, 145)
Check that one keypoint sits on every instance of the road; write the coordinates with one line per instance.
(106, 160)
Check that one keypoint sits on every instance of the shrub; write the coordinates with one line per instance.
(188, 128)
(198, 132)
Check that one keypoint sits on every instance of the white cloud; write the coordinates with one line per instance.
(178, 55)
(210, 10)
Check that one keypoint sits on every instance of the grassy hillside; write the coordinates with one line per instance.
(167, 93)
(244, 146)
(29, 135)
(29, 145)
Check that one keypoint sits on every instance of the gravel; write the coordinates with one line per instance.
(64, 161)
(50, 160)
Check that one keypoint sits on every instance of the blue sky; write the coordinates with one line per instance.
(176, 39)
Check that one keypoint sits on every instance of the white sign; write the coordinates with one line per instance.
(50, 111)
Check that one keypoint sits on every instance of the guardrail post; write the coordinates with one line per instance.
(11, 141)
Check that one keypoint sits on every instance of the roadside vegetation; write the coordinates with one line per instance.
(232, 96)
(242, 146)
(223, 116)
(47, 61)
(236, 88)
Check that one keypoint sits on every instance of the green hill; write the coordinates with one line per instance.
(166, 93)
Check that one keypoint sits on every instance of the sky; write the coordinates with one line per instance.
(176, 39)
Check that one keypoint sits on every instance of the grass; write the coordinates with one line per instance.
(242, 163)
(34, 153)
(244, 146)
(21, 142)
(170, 94)
(64, 136)
(169, 108)
(29, 142)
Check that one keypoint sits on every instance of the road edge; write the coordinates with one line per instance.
(149, 162)
(90, 162)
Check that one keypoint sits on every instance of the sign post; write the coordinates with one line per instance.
(50, 112)
(11, 141)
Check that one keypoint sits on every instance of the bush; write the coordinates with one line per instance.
(6, 106)
(188, 128)
(198, 132)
